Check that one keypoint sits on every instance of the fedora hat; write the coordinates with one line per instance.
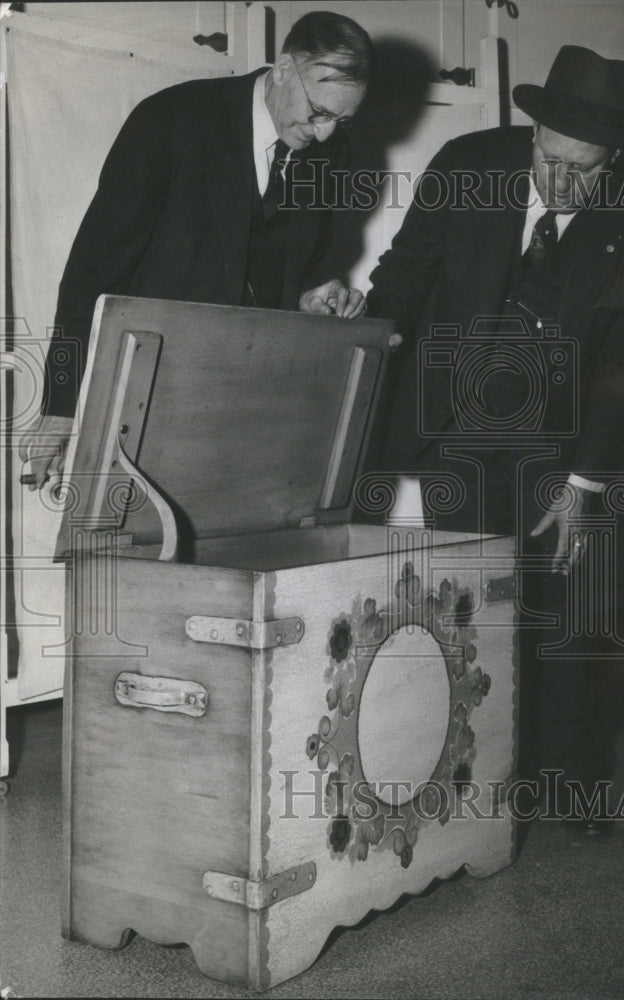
(583, 97)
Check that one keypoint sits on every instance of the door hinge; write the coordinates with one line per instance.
(258, 895)
(251, 635)
(462, 77)
(501, 588)
(218, 41)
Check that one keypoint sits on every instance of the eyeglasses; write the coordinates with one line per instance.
(319, 116)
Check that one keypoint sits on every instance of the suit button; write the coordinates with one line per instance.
(610, 248)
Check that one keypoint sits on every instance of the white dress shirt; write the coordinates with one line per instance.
(264, 135)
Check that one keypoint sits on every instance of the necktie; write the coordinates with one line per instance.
(543, 245)
(274, 194)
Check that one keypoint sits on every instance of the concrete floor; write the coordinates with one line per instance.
(549, 928)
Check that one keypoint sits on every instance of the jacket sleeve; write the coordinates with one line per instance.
(600, 452)
(109, 243)
(408, 271)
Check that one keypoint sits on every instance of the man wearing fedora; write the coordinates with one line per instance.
(507, 283)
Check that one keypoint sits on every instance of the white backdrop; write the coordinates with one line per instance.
(66, 103)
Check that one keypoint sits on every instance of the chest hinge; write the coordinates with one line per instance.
(258, 895)
(501, 588)
(251, 635)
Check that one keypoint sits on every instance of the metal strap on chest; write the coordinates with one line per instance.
(249, 634)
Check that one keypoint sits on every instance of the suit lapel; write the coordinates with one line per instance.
(230, 179)
(595, 240)
(499, 233)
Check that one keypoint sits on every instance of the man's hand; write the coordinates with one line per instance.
(44, 446)
(568, 513)
(333, 298)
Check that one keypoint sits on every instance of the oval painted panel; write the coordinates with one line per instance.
(404, 713)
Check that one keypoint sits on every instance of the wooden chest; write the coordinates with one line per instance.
(289, 719)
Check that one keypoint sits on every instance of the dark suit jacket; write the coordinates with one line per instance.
(172, 213)
(452, 262)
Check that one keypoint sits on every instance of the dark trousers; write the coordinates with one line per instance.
(571, 677)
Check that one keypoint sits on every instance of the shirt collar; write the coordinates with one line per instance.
(536, 208)
(264, 133)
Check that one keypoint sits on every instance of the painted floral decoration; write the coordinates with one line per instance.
(407, 855)
(340, 641)
(463, 751)
(408, 586)
(312, 745)
(480, 683)
(374, 625)
(353, 642)
(340, 834)
(339, 694)
(402, 849)
(368, 833)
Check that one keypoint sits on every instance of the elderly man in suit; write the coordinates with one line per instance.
(507, 280)
(214, 191)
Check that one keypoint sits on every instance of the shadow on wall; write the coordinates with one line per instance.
(390, 113)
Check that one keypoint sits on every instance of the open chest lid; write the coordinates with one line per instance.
(202, 420)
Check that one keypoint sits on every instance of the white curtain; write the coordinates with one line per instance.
(67, 101)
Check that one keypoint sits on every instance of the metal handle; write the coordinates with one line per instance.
(164, 694)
